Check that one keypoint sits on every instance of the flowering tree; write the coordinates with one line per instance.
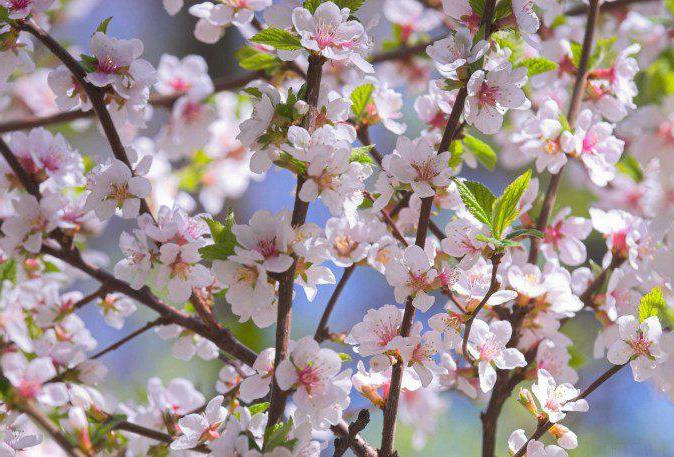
(480, 306)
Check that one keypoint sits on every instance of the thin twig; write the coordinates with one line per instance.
(155, 435)
(493, 287)
(31, 409)
(322, 332)
(157, 100)
(546, 425)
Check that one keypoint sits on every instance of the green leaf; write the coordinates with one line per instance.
(253, 92)
(277, 435)
(362, 154)
(483, 152)
(252, 59)
(101, 431)
(538, 65)
(631, 167)
(88, 63)
(311, 5)
(7, 272)
(360, 98)
(456, 154)
(506, 207)
(477, 6)
(525, 233)
(577, 359)
(103, 26)
(652, 304)
(258, 408)
(224, 239)
(576, 51)
(603, 54)
(277, 38)
(353, 5)
(478, 199)
(503, 9)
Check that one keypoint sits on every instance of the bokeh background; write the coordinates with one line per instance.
(626, 419)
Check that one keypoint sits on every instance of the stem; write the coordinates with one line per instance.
(164, 101)
(20, 172)
(155, 435)
(322, 332)
(223, 339)
(493, 287)
(300, 209)
(546, 425)
(391, 406)
(504, 384)
(129, 337)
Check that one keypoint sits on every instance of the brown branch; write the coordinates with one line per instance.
(615, 5)
(31, 409)
(300, 209)
(402, 52)
(451, 130)
(223, 339)
(505, 384)
(155, 435)
(157, 100)
(546, 425)
(82, 302)
(493, 287)
(322, 331)
(342, 443)
(129, 337)
(20, 172)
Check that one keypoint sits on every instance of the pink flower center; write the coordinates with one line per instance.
(487, 95)
(308, 377)
(106, 65)
(426, 171)
(179, 85)
(29, 389)
(191, 112)
(619, 241)
(211, 433)
(325, 36)
(553, 233)
(589, 143)
(417, 282)
(641, 345)
(489, 350)
(19, 4)
(267, 248)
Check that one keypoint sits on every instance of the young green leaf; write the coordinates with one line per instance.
(503, 9)
(506, 207)
(631, 167)
(652, 304)
(277, 38)
(103, 26)
(361, 154)
(224, 239)
(311, 5)
(483, 152)
(477, 6)
(252, 59)
(478, 199)
(360, 98)
(538, 65)
(525, 233)
(455, 154)
(353, 5)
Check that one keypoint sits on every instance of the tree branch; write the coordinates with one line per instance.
(322, 333)
(300, 209)
(31, 409)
